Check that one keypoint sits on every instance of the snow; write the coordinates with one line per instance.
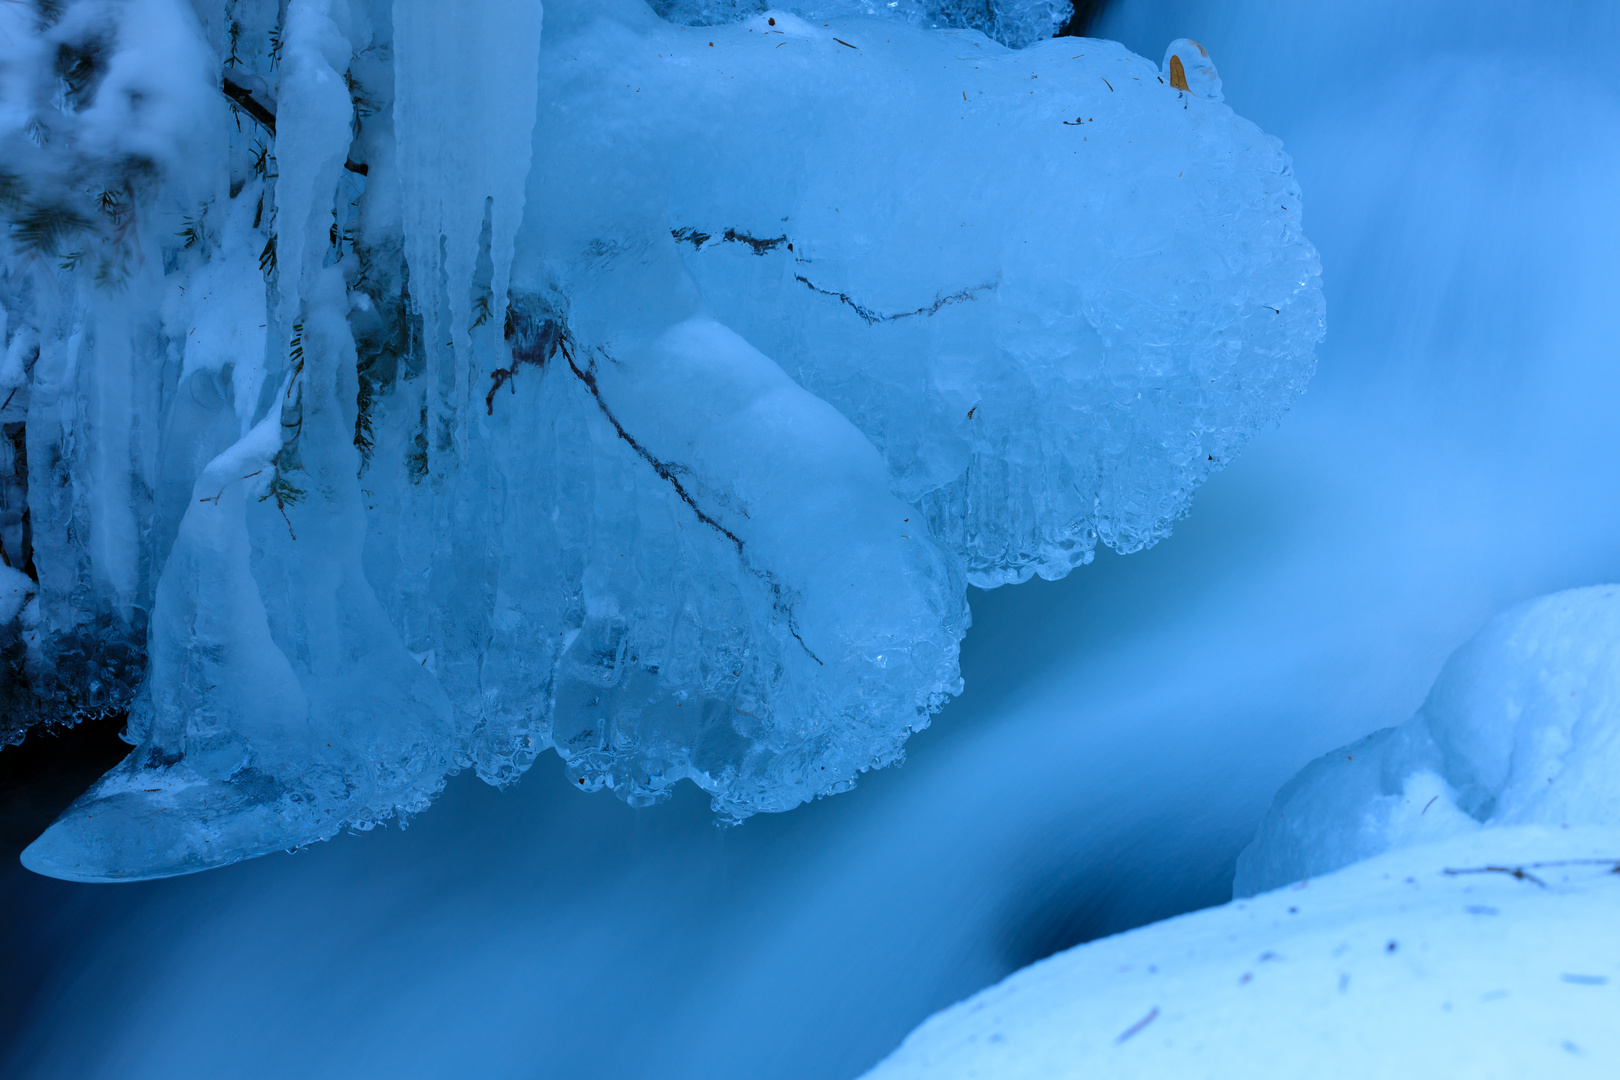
(1490, 955)
(15, 589)
(472, 390)
(1012, 22)
(147, 107)
(1522, 727)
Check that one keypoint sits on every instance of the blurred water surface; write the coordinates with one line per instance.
(1121, 731)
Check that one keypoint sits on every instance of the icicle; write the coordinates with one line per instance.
(464, 107)
(281, 704)
(312, 141)
(114, 549)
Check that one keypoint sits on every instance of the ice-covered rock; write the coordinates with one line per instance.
(1071, 359)
(1468, 957)
(641, 390)
(1522, 727)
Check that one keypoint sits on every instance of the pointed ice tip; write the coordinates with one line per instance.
(101, 842)
(137, 824)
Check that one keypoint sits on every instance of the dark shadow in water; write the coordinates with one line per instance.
(1085, 17)
(1070, 901)
(38, 779)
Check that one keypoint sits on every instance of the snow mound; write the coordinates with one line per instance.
(1467, 957)
(645, 392)
(1522, 727)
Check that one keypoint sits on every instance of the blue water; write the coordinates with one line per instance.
(1121, 731)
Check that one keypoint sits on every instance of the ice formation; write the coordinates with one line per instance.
(1421, 962)
(1521, 728)
(439, 386)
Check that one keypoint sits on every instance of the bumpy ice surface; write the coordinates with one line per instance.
(641, 390)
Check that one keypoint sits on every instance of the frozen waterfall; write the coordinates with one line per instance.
(443, 384)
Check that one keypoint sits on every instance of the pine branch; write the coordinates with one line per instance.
(44, 228)
(261, 113)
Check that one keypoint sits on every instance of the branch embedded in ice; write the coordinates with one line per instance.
(263, 113)
(873, 317)
(668, 472)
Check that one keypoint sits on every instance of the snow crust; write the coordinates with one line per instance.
(642, 391)
(1015, 23)
(1522, 727)
(1433, 960)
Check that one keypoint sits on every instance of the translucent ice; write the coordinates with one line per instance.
(646, 392)
(1521, 728)
(1188, 67)
(1071, 358)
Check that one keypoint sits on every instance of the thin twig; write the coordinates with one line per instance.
(1522, 874)
(243, 98)
(873, 317)
(667, 472)
(1517, 872)
(1138, 1026)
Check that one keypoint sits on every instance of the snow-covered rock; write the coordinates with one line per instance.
(1522, 727)
(1492, 955)
(1465, 925)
